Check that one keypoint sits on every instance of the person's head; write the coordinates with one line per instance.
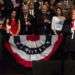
(36, 6)
(73, 14)
(44, 8)
(59, 11)
(13, 13)
(46, 3)
(25, 9)
(1, 5)
(30, 5)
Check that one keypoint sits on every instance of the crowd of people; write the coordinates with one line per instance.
(23, 19)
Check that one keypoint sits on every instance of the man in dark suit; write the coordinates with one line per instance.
(43, 20)
(27, 21)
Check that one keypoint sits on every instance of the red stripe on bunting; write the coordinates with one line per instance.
(33, 37)
(28, 64)
(17, 57)
(55, 48)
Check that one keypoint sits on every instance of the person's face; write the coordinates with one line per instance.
(58, 11)
(25, 9)
(44, 8)
(30, 6)
(46, 3)
(13, 14)
(73, 15)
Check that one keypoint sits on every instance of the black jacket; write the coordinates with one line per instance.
(40, 17)
(69, 43)
(23, 25)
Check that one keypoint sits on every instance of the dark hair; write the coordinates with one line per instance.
(61, 9)
(14, 9)
(16, 17)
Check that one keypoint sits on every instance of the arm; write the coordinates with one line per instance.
(53, 24)
(8, 27)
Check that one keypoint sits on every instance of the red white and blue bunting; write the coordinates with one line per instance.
(28, 48)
